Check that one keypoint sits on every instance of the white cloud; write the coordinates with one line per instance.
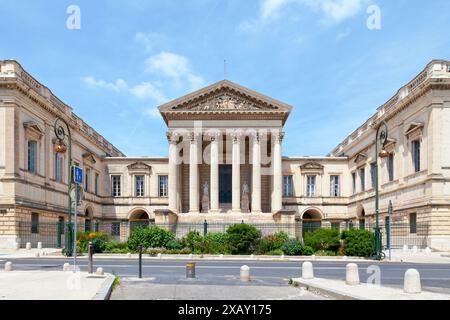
(173, 66)
(331, 11)
(150, 40)
(344, 34)
(144, 90)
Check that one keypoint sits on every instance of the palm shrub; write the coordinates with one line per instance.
(149, 237)
(243, 238)
(358, 243)
(323, 239)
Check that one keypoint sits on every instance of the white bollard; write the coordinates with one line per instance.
(405, 248)
(252, 256)
(282, 257)
(415, 249)
(66, 266)
(313, 257)
(427, 250)
(17, 246)
(352, 274)
(99, 271)
(159, 255)
(128, 255)
(8, 266)
(28, 246)
(221, 256)
(412, 281)
(191, 255)
(345, 258)
(245, 273)
(307, 270)
(39, 245)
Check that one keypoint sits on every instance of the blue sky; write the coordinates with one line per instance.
(318, 55)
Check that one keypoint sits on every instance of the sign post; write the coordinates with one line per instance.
(77, 180)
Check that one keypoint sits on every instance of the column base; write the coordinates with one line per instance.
(214, 211)
(236, 211)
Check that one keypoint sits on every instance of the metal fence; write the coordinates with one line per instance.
(52, 234)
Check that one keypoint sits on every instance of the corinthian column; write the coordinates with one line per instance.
(173, 172)
(193, 174)
(256, 174)
(214, 173)
(236, 177)
(277, 172)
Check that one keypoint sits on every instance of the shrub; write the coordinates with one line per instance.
(307, 251)
(277, 252)
(292, 248)
(114, 246)
(174, 245)
(243, 238)
(325, 253)
(97, 238)
(152, 237)
(214, 243)
(191, 239)
(323, 239)
(273, 242)
(358, 243)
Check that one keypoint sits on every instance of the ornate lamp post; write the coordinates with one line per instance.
(382, 136)
(60, 147)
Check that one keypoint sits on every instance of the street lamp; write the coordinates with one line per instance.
(61, 148)
(381, 138)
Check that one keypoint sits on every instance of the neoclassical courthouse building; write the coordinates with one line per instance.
(225, 163)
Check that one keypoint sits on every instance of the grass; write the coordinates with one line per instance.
(116, 281)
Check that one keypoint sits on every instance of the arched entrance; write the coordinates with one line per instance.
(139, 218)
(311, 220)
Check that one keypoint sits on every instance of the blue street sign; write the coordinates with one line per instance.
(77, 175)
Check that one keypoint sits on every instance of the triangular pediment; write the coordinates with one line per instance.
(139, 166)
(224, 98)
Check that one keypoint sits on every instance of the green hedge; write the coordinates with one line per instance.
(323, 239)
(149, 237)
(243, 238)
(358, 243)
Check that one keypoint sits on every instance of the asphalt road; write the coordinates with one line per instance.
(435, 277)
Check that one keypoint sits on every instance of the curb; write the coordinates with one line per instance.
(325, 291)
(105, 291)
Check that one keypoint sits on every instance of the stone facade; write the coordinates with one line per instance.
(228, 136)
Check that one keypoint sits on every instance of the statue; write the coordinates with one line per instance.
(245, 201)
(205, 197)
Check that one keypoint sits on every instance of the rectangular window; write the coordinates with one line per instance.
(311, 186)
(416, 155)
(87, 225)
(373, 173)
(115, 229)
(32, 156)
(115, 186)
(96, 183)
(34, 223)
(353, 182)
(390, 167)
(335, 186)
(139, 185)
(362, 179)
(413, 222)
(287, 186)
(87, 177)
(58, 167)
(163, 186)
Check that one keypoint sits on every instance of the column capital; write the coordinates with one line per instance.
(172, 137)
(278, 136)
(255, 137)
(213, 135)
(193, 136)
(236, 136)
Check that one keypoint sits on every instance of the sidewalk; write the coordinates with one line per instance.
(32, 253)
(54, 285)
(338, 289)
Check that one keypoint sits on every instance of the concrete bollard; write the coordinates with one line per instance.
(405, 248)
(307, 270)
(8, 266)
(191, 255)
(245, 273)
(128, 255)
(345, 258)
(17, 246)
(252, 257)
(28, 246)
(99, 271)
(412, 281)
(352, 274)
(159, 255)
(66, 266)
(427, 250)
(221, 256)
(313, 257)
(39, 245)
(282, 257)
(415, 249)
